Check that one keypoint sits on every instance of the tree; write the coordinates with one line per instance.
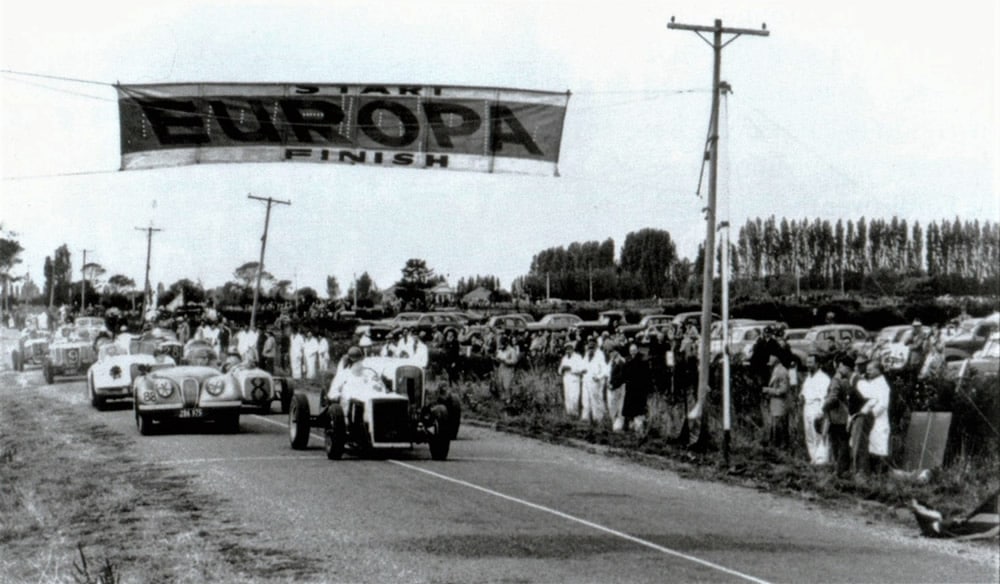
(416, 281)
(92, 272)
(306, 296)
(120, 284)
(191, 291)
(247, 275)
(10, 249)
(649, 254)
(332, 288)
(59, 276)
(279, 291)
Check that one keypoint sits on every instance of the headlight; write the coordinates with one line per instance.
(116, 372)
(215, 386)
(163, 387)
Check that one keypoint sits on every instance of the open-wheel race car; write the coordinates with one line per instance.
(31, 349)
(67, 355)
(384, 407)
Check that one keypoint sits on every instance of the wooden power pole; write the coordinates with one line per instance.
(717, 45)
(263, 245)
(149, 249)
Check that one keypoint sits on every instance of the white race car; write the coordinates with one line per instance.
(111, 376)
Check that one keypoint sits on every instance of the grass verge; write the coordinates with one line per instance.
(69, 486)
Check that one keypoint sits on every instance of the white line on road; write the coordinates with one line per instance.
(567, 516)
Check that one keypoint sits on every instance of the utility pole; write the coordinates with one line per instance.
(717, 45)
(83, 281)
(355, 287)
(263, 244)
(726, 401)
(149, 248)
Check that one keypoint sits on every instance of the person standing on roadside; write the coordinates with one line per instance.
(638, 384)
(595, 378)
(324, 353)
(506, 359)
(815, 386)
(776, 397)
(269, 351)
(875, 389)
(311, 351)
(835, 407)
(296, 353)
(571, 369)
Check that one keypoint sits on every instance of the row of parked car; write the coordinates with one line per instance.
(168, 381)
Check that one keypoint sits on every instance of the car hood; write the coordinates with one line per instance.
(186, 372)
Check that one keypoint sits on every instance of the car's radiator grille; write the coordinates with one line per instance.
(189, 391)
(391, 421)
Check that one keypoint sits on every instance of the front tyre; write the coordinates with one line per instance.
(143, 423)
(336, 433)
(439, 442)
(298, 422)
(95, 400)
(454, 407)
(230, 423)
(16, 361)
(48, 373)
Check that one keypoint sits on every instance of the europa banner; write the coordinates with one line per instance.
(486, 129)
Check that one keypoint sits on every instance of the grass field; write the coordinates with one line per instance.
(69, 485)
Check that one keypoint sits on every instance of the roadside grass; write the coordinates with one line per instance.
(535, 409)
(72, 489)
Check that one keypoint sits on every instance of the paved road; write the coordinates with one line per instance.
(509, 509)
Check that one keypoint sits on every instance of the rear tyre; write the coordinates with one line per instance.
(48, 373)
(95, 400)
(439, 442)
(16, 361)
(336, 433)
(298, 422)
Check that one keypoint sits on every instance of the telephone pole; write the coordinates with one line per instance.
(717, 45)
(83, 281)
(263, 245)
(149, 248)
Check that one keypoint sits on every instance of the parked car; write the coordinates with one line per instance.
(891, 348)
(971, 337)
(185, 392)
(985, 361)
(606, 321)
(555, 322)
(631, 330)
(692, 318)
(32, 347)
(68, 355)
(742, 336)
(379, 329)
(795, 334)
(507, 323)
(828, 339)
(394, 412)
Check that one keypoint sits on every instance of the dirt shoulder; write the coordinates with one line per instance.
(67, 483)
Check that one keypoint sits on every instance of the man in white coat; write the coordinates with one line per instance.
(571, 368)
(875, 389)
(296, 354)
(324, 353)
(814, 390)
(311, 350)
(595, 377)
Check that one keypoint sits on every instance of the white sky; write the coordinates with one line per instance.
(850, 108)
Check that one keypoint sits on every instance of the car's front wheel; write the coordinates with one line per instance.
(143, 423)
(298, 422)
(48, 373)
(95, 400)
(336, 433)
(16, 361)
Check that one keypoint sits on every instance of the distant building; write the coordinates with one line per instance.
(442, 294)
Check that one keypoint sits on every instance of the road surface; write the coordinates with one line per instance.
(509, 509)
